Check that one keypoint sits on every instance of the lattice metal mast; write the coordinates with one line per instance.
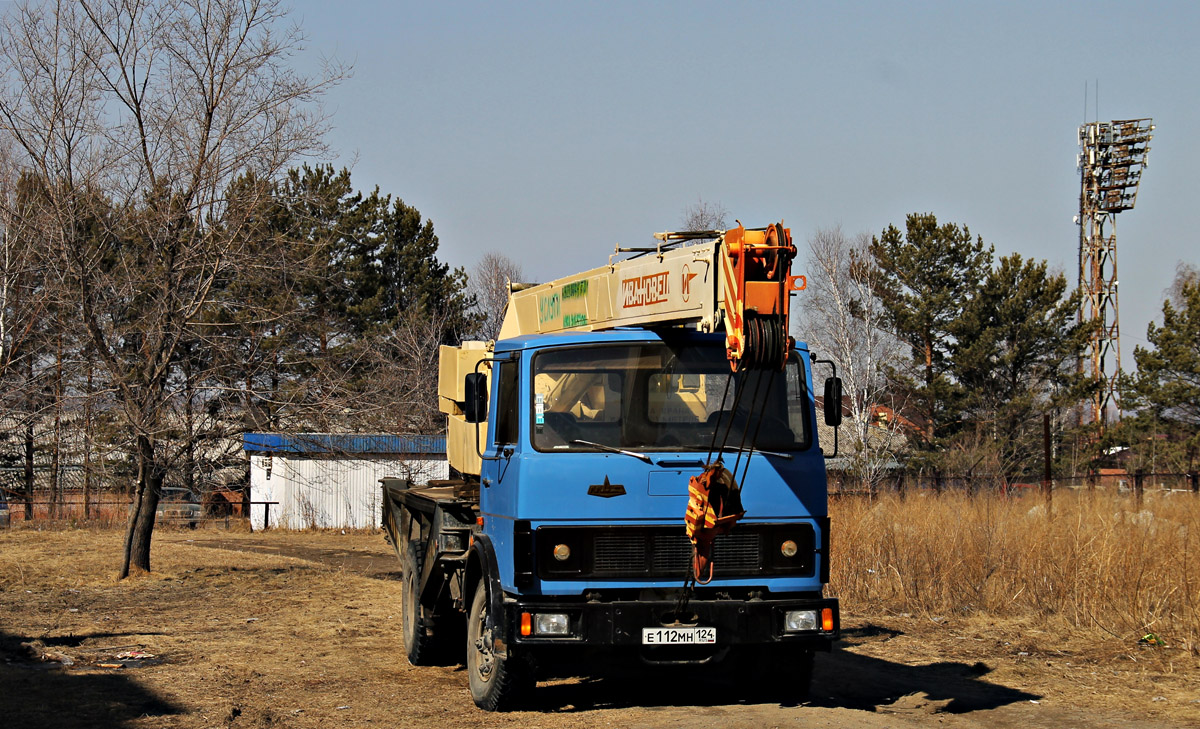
(1111, 163)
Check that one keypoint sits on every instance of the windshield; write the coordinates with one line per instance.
(661, 397)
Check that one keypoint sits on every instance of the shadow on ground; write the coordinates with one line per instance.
(842, 679)
(41, 695)
(853, 681)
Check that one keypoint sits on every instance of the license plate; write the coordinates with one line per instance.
(678, 636)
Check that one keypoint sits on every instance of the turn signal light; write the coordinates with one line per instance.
(526, 624)
(827, 620)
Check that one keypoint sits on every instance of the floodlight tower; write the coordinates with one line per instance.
(1111, 163)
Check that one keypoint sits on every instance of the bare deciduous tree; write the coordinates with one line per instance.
(704, 215)
(134, 118)
(489, 284)
(22, 299)
(1185, 274)
(409, 395)
(844, 321)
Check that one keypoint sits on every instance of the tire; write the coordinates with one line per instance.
(497, 684)
(417, 623)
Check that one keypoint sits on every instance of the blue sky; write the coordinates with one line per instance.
(552, 131)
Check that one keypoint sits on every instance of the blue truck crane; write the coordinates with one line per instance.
(613, 404)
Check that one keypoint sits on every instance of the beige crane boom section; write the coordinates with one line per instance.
(676, 286)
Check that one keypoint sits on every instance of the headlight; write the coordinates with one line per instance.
(788, 549)
(797, 620)
(562, 552)
(551, 624)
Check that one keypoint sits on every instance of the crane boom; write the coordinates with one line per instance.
(738, 282)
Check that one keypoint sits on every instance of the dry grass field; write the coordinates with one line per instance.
(1091, 561)
(983, 612)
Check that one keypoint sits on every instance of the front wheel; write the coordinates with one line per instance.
(497, 683)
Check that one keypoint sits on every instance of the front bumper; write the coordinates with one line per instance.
(620, 623)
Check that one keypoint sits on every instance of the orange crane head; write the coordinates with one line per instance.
(757, 273)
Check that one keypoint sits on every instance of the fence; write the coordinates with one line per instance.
(107, 509)
(1136, 483)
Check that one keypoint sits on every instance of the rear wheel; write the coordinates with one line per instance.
(417, 623)
(497, 683)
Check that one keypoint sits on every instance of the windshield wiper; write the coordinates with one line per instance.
(777, 454)
(610, 449)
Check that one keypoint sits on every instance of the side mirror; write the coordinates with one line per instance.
(833, 401)
(476, 405)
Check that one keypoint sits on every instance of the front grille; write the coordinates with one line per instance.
(617, 554)
(666, 551)
(673, 553)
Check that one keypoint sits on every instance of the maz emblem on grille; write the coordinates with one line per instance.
(606, 490)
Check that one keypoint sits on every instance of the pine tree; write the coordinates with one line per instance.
(930, 272)
(1015, 346)
(359, 304)
(318, 212)
(1167, 386)
(394, 272)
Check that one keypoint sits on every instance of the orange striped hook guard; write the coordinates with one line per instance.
(714, 506)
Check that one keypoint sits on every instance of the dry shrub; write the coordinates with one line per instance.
(1091, 560)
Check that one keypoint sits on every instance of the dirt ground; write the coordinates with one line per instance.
(303, 630)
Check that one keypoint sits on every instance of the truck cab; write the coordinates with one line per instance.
(579, 543)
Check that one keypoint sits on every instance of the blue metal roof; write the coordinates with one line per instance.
(343, 443)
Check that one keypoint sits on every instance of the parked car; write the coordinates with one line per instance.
(178, 506)
(5, 517)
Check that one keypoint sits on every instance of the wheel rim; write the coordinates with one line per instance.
(485, 661)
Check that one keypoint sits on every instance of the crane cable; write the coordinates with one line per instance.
(714, 496)
(703, 522)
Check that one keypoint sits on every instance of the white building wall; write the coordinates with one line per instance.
(342, 493)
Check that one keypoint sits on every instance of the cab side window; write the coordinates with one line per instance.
(507, 422)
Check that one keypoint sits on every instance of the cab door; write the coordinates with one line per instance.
(501, 467)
